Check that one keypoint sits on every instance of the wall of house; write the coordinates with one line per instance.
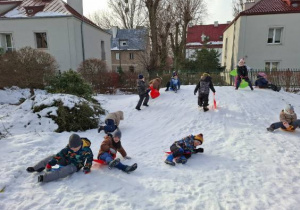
(126, 62)
(230, 50)
(253, 41)
(63, 36)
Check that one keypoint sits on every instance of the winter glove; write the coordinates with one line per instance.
(48, 167)
(112, 151)
(127, 157)
(148, 90)
(286, 125)
(86, 171)
(201, 150)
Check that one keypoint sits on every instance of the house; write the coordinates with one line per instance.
(130, 49)
(265, 34)
(209, 36)
(55, 27)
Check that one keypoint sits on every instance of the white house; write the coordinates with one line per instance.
(266, 34)
(55, 27)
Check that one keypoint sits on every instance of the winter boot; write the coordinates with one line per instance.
(205, 109)
(131, 168)
(145, 105)
(167, 89)
(137, 108)
(30, 169)
(40, 178)
(271, 128)
(170, 162)
(100, 128)
(40, 169)
(181, 160)
(113, 163)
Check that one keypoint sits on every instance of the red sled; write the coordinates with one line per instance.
(102, 162)
(154, 93)
(185, 153)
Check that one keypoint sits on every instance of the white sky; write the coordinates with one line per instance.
(219, 10)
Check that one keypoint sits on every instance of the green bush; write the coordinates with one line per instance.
(70, 82)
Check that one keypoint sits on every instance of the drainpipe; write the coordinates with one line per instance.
(82, 40)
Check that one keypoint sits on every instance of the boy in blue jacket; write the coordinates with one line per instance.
(76, 155)
(184, 148)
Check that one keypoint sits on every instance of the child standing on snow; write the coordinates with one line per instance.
(288, 120)
(143, 92)
(203, 86)
(242, 72)
(76, 155)
(184, 148)
(112, 121)
(109, 147)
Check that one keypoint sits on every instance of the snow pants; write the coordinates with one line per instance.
(144, 98)
(107, 158)
(277, 125)
(56, 174)
(203, 99)
(110, 126)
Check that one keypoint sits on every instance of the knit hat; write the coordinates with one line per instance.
(174, 74)
(199, 137)
(74, 141)
(288, 108)
(117, 133)
(141, 76)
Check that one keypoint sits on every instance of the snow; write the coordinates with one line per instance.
(14, 13)
(243, 166)
(193, 43)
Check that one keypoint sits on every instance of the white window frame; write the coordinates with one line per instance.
(117, 56)
(4, 45)
(272, 63)
(36, 41)
(274, 35)
(131, 56)
(123, 43)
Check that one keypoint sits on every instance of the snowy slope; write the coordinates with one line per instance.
(243, 166)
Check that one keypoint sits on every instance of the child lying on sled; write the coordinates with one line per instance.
(184, 148)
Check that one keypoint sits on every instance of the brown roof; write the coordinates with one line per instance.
(50, 8)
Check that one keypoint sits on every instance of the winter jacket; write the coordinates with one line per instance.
(187, 143)
(108, 143)
(175, 82)
(141, 87)
(261, 82)
(289, 118)
(116, 117)
(155, 83)
(242, 71)
(204, 85)
(82, 158)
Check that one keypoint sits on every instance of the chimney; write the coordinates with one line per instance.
(216, 24)
(114, 30)
(77, 5)
(249, 3)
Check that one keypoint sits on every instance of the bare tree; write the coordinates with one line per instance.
(237, 6)
(185, 12)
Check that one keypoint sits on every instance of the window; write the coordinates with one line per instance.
(41, 40)
(117, 56)
(131, 69)
(131, 57)
(123, 43)
(271, 66)
(9, 47)
(274, 36)
(103, 57)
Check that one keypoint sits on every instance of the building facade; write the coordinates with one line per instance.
(55, 27)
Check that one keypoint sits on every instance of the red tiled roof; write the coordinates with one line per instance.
(194, 33)
(57, 6)
(271, 7)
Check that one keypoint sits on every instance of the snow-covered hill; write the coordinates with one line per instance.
(243, 166)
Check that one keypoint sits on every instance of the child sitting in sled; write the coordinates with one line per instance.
(108, 149)
(174, 83)
(262, 82)
(288, 120)
(76, 155)
(184, 148)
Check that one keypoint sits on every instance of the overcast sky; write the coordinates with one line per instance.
(219, 10)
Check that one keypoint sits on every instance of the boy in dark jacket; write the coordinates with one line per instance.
(203, 86)
(108, 149)
(184, 148)
(242, 74)
(143, 92)
(76, 155)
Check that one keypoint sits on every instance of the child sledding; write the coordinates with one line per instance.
(76, 155)
(262, 82)
(174, 83)
(112, 121)
(288, 120)
(184, 148)
(108, 149)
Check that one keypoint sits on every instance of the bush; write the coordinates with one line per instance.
(26, 68)
(70, 82)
